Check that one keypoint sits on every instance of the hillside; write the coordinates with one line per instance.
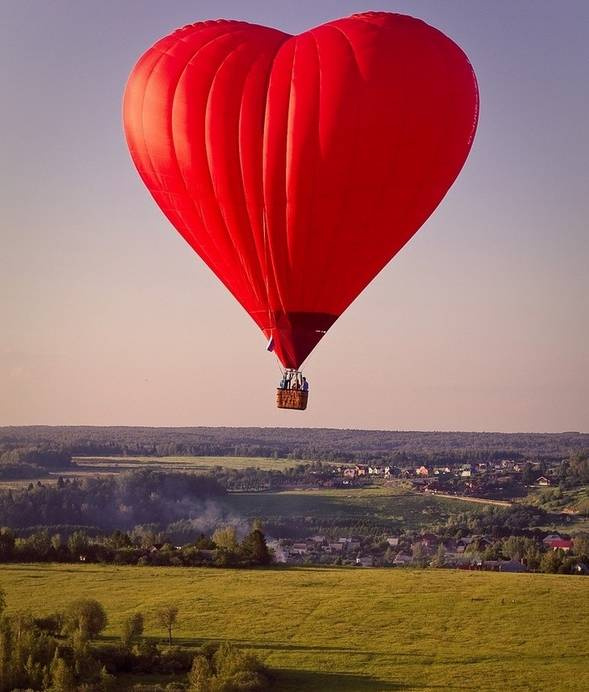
(351, 629)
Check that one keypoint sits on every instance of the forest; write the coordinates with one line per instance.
(397, 447)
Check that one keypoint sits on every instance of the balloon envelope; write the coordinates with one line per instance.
(298, 166)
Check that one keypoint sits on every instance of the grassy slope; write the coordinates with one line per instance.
(352, 629)
(390, 506)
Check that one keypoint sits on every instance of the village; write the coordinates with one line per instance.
(424, 550)
(490, 480)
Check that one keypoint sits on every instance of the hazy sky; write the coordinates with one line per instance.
(108, 317)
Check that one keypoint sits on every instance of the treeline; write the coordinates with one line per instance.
(122, 501)
(535, 556)
(296, 443)
(62, 652)
(495, 521)
(32, 462)
(143, 546)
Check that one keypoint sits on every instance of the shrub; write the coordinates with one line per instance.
(87, 616)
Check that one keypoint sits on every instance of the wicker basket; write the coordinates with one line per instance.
(292, 398)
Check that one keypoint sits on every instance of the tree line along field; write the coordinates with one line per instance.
(349, 629)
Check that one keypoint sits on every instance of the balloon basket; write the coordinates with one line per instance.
(292, 398)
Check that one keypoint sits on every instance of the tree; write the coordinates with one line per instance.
(419, 554)
(6, 544)
(199, 678)
(581, 545)
(132, 628)
(515, 547)
(167, 616)
(85, 616)
(254, 549)
(551, 561)
(62, 678)
(440, 557)
(533, 556)
(78, 543)
(107, 681)
(225, 538)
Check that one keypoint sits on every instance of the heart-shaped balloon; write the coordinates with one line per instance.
(298, 166)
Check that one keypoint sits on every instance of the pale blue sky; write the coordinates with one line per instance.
(480, 323)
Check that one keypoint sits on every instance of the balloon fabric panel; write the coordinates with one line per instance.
(298, 166)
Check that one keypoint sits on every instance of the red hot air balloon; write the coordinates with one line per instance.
(298, 166)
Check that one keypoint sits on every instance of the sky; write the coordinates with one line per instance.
(107, 317)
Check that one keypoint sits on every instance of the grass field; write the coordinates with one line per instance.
(118, 463)
(390, 507)
(351, 629)
(109, 465)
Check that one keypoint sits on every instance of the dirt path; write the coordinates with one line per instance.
(478, 500)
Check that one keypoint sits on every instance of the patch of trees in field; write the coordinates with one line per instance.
(252, 479)
(122, 501)
(140, 547)
(297, 443)
(63, 652)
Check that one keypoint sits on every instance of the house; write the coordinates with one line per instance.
(361, 470)
(299, 548)
(503, 566)
(422, 471)
(393, 541)
(559, 544)
(402, 560)
(365, 561)
(429, 540)
(349, 473)
(511, 566)
(440, 470)
(543, 481)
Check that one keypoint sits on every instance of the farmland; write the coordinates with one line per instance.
(350, 629)
(91, 467)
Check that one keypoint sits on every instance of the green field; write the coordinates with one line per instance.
(351, 629)
(391, 507)
(187, 463)
(92, 466)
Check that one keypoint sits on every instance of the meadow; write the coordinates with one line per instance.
(182, 463)
(390, 507)
(349, 628)
(92, 466)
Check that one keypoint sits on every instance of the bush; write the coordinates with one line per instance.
(52, 624)
(87, 616)
(227, 669)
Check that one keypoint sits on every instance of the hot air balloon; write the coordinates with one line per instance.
(298, 166)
